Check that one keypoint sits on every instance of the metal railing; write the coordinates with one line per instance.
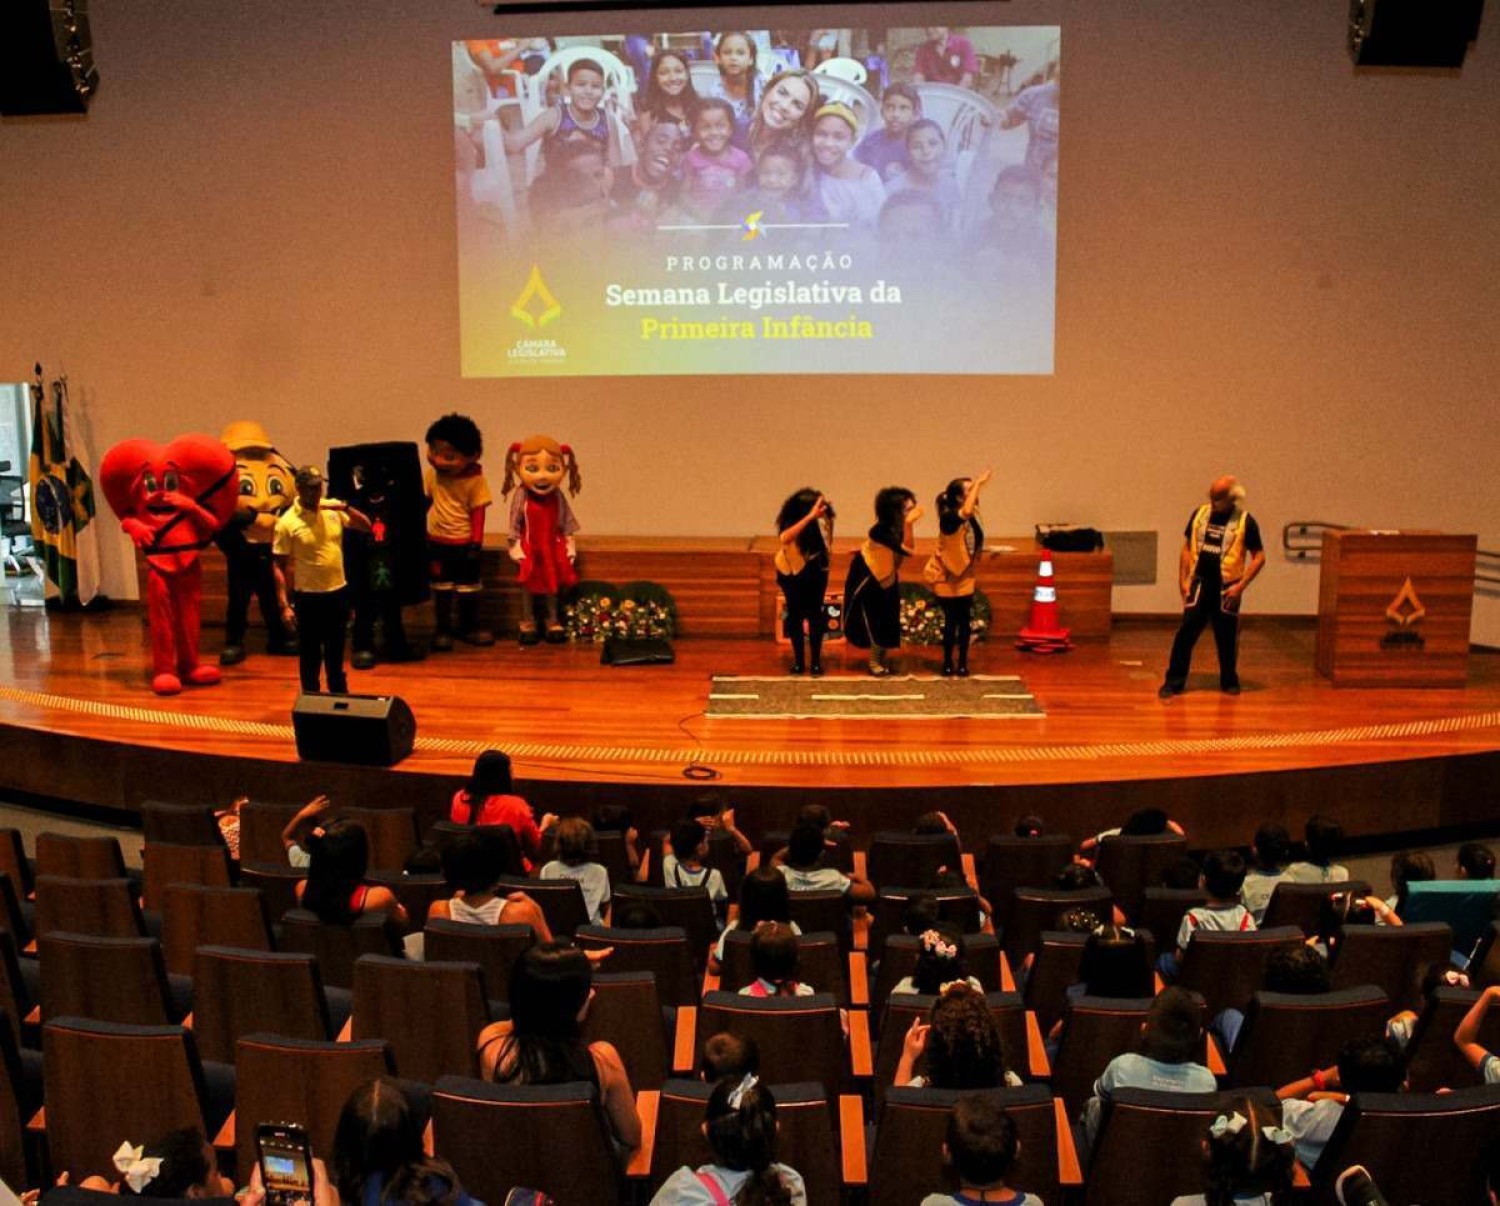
(1303, 538)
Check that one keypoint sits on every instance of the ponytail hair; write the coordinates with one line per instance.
(1248, 1152)
(740, 1123)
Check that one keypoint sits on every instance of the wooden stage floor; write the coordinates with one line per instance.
(570, 722)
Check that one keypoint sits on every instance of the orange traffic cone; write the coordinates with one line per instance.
(1043, 633)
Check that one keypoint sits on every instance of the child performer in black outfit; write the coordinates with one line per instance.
(950, 571)
(805, 526)
(872, 591)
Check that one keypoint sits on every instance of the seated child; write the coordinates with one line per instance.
(1475, 861)
(616, 818)
(1223, 875)
(1408, 867)
(1143, 822)
(740, 1126)
(684, 865)
(1311, 1108)
(774, 959)
(764, 896)
(1322, 837)
(473, 863)
(1171, 1047)
(981, 1146)
(728, 1055)
(959, 1046)
(1249, 1159)
(181, 1164)
(929, 171)
(1466, 1037)
(1270, 853)
(1030, 826)
(940, 962)
(805, 871)
(575, 861)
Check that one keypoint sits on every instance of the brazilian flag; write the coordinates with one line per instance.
(62, 494)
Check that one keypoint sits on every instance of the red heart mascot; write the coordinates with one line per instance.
(170, 502)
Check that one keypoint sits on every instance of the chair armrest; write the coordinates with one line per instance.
(858, 858)
(647, 1102)
(1216, 1058)
(859, 925)
(346, 1035)
(1300, 1179)
(1007, 978)
(859, 980)
(1069, 1171)
(429, 1146)
(34, 1018)
(710, 977)
(684, 1052)
(1157, 983)
(224, 1140)
(971, 876)
(1036, 1050)
(852, 1140)
(38, 1123)
(187, 1021)
(861, 1056)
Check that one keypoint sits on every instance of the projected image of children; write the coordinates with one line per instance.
(621, 159)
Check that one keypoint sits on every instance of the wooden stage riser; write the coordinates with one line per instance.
(1371, 800)
(734, 593)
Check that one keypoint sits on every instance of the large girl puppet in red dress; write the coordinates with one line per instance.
(170, 502)
(541, 529)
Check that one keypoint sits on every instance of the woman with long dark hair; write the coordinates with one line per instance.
(872, 590)
(335, 887)
(378, 1156)
(542, 1044)
(489, 798)
(805, 528)
(669, 95)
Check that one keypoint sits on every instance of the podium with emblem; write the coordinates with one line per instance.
(1394, 608)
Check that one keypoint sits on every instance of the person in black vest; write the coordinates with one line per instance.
(1221, 555)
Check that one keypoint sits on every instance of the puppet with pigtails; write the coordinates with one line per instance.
(541, 531)
(457, 498)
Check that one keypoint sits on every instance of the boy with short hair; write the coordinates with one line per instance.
(1311, 1107)
(982, 1146)
(885, 149)
(1223, 876)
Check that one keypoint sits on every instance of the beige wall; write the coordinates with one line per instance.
(1268, 264)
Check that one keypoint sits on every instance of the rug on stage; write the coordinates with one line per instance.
(860, 697)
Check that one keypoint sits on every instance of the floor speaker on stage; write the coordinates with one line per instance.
(618, 651)
(46, 57)
(371, 730)
(1412, 33)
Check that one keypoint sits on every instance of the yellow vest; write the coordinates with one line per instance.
(1232, 558)
(955, 556)
(882, 561)
(790, 560)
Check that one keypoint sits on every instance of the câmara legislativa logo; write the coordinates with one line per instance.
(534, 308)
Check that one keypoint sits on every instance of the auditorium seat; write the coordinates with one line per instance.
(14, 863)
(16, 998)
(495, 948)
(106, 980)
(1393, 957)
(690, 908)
(180, 824)
(277, 882)
(840, 854)
(1457, 1135)
(336, 947)
(1433, 1060)
(625, 1010)
(105, 1081)
(1058, 965)
(1020, 862)
(1302, 905)
(105, 907)
(822, 912)
(821, 963)
(431, 1013)
(911, 860)
(958, 907)
(798, 1037)
(392, 833)
(898, 959)
(804, 1134)
(1162, 910)
(561, 901)
(238, 992)
(261, 826)
(15, 1108)
(170, 863)
(417, 893)
(1227, 969)
(1130, 863)
(194, 916)
(906, 1162)
(1094, 1031)
(1149, 1147)
(662, 951)
(1010, 1018)
(74, 857)
(15, 916)
(1036, 910)
(301, 1081)
(1284, 1034)
(501, 1136)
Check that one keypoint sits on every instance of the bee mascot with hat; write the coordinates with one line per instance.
(265, 492)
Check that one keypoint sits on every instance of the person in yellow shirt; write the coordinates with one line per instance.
(308, 552)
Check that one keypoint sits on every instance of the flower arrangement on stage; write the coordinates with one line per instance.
(922, 618)
(636, 610)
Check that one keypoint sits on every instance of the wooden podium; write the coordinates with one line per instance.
(1394, 608)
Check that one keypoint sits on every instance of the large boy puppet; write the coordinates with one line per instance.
(170, 501)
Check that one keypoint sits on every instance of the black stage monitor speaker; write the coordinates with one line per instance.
(1412, 33)
(46, 57)
(618, 651)
(371, 730)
